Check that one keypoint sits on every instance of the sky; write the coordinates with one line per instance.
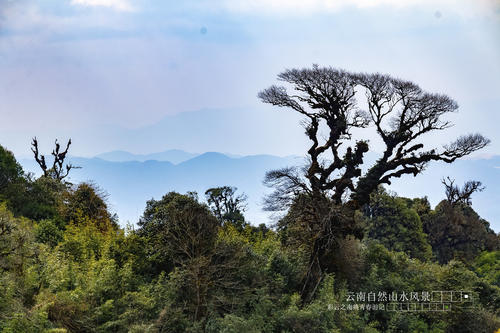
(111, 73)
(95, 69)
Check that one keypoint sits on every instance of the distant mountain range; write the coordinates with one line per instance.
(174, 156)
(132, 179)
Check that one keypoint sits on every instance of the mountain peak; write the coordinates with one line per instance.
(174, 156)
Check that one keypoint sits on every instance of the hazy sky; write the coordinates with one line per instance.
(98, 69)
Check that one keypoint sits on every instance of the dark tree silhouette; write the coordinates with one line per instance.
(456, 195)
(399, 111)
(456, 231)
(58, 170)
(226, 205)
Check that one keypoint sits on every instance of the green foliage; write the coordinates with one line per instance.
(83, 242)
(35, 199)
(396, 225)
(48, 232)
(66, 266)
(16, 238)
(18, 278)
(300, 225)
(407, 322)
(389, 271)
(226, 205)
(40, 199)
(488, 266)
(87, 203)
(177, 229)
(11, 172)
(457, 232)
(174, 221)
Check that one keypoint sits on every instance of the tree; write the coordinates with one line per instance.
(226, 205)
(456, 195)
(10, 170)
(182, 233)
(40, 199)
(9, 243)
(88, 201)
(179, 227)
(488, 266)
(210, 267)
(399, 111)
(58, 170)
(396, 225)
(458, 232)
(13, 182)
(36, 199)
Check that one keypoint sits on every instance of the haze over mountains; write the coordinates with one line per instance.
(130, 183)
(132, 179)
(174, 156)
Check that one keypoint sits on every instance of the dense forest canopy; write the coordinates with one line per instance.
(197, 265)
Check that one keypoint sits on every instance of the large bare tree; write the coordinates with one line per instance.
(399, 111)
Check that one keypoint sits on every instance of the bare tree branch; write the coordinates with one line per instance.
(455, 195)
(333, 182)
(58, 170)
(400, 111)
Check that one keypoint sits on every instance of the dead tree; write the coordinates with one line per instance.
(456, 195)
(399, 111)
(58, 170)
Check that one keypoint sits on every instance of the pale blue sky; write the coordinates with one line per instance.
(96, 69)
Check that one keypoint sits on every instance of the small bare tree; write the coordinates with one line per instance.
(456, 195)
(58, 170)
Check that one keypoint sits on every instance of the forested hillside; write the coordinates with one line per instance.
(194, 265)
(345, 256)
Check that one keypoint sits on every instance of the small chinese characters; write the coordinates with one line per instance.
(402, 300)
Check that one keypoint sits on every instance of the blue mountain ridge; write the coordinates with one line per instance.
(174, 156)
(131, 183)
